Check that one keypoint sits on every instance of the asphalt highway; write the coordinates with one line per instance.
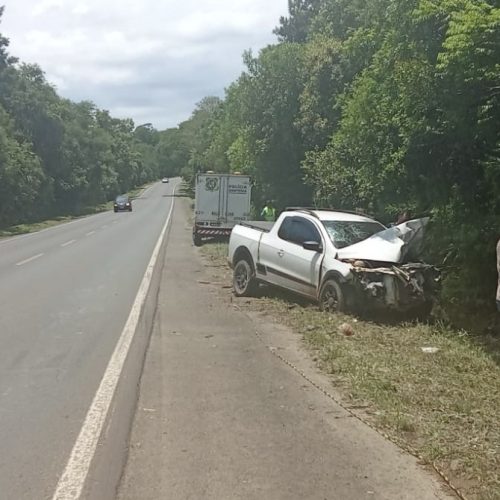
(65, 295)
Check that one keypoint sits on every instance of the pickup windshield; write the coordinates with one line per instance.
(345, 233)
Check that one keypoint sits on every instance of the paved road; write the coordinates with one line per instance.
(220, 417)
(65, 294)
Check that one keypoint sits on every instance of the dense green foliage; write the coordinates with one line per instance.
(57, 156)
(386, 105)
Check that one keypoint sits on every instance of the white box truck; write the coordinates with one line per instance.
(221, 202)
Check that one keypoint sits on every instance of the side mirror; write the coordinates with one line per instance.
(314, 246)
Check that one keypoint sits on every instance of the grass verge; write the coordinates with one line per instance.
(33, 227)
(444, 405)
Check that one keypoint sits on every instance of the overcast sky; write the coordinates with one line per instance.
(151, 60)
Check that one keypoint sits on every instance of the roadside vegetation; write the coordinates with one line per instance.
(60, 158)
(31, 227)
(387, 106)
(433, 389)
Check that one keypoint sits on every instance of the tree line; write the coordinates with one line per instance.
(389, 106)
(59, 157)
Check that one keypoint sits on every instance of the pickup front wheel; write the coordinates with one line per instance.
(244, 282)
(332, 297)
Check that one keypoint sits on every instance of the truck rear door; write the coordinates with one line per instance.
(239, 191)
(222, 200)
(209, 199)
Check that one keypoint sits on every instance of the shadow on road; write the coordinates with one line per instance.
(176, 195)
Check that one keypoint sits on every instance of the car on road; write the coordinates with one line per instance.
(123, 204)
(165, 180)
(344, 261)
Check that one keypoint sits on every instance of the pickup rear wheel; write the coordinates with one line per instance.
(332, 297)
(244, 282)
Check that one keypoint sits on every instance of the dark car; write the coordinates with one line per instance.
(123, 203)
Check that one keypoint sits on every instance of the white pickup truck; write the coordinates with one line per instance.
(343, 260)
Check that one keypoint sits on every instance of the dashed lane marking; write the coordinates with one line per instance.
(29, 260)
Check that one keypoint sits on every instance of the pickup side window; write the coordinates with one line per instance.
(285, 228)
(298, 230)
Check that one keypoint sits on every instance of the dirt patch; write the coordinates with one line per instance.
(432, 389)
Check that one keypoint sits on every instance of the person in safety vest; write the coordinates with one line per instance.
(268, 212)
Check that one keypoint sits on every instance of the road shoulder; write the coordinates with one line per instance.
(221, 415)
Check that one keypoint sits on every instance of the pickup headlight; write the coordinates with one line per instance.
(359, 263)
(355, 262)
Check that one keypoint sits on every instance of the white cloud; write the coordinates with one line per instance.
(80, 9)
(150, 59)
(45, 6)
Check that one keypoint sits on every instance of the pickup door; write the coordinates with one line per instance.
(287, 263)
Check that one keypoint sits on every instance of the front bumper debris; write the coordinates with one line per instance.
(397, 287)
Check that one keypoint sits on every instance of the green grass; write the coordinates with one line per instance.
(216, 252)
(55, 221)
(445, 406)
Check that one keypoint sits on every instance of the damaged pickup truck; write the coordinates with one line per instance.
(344, 261)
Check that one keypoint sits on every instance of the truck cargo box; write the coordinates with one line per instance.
(221, 202)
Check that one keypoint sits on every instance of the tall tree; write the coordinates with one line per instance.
(21, 175)
(295, 27)
(268, 107)
(5, 59)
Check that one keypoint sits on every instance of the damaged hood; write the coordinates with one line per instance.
(396, 244)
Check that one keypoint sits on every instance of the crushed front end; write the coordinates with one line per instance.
(398, 287)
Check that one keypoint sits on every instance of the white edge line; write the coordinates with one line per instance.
(29, 260)
(90, 233)
(75, 473)
(70, 242)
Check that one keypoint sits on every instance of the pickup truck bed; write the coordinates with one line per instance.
(259, 225)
